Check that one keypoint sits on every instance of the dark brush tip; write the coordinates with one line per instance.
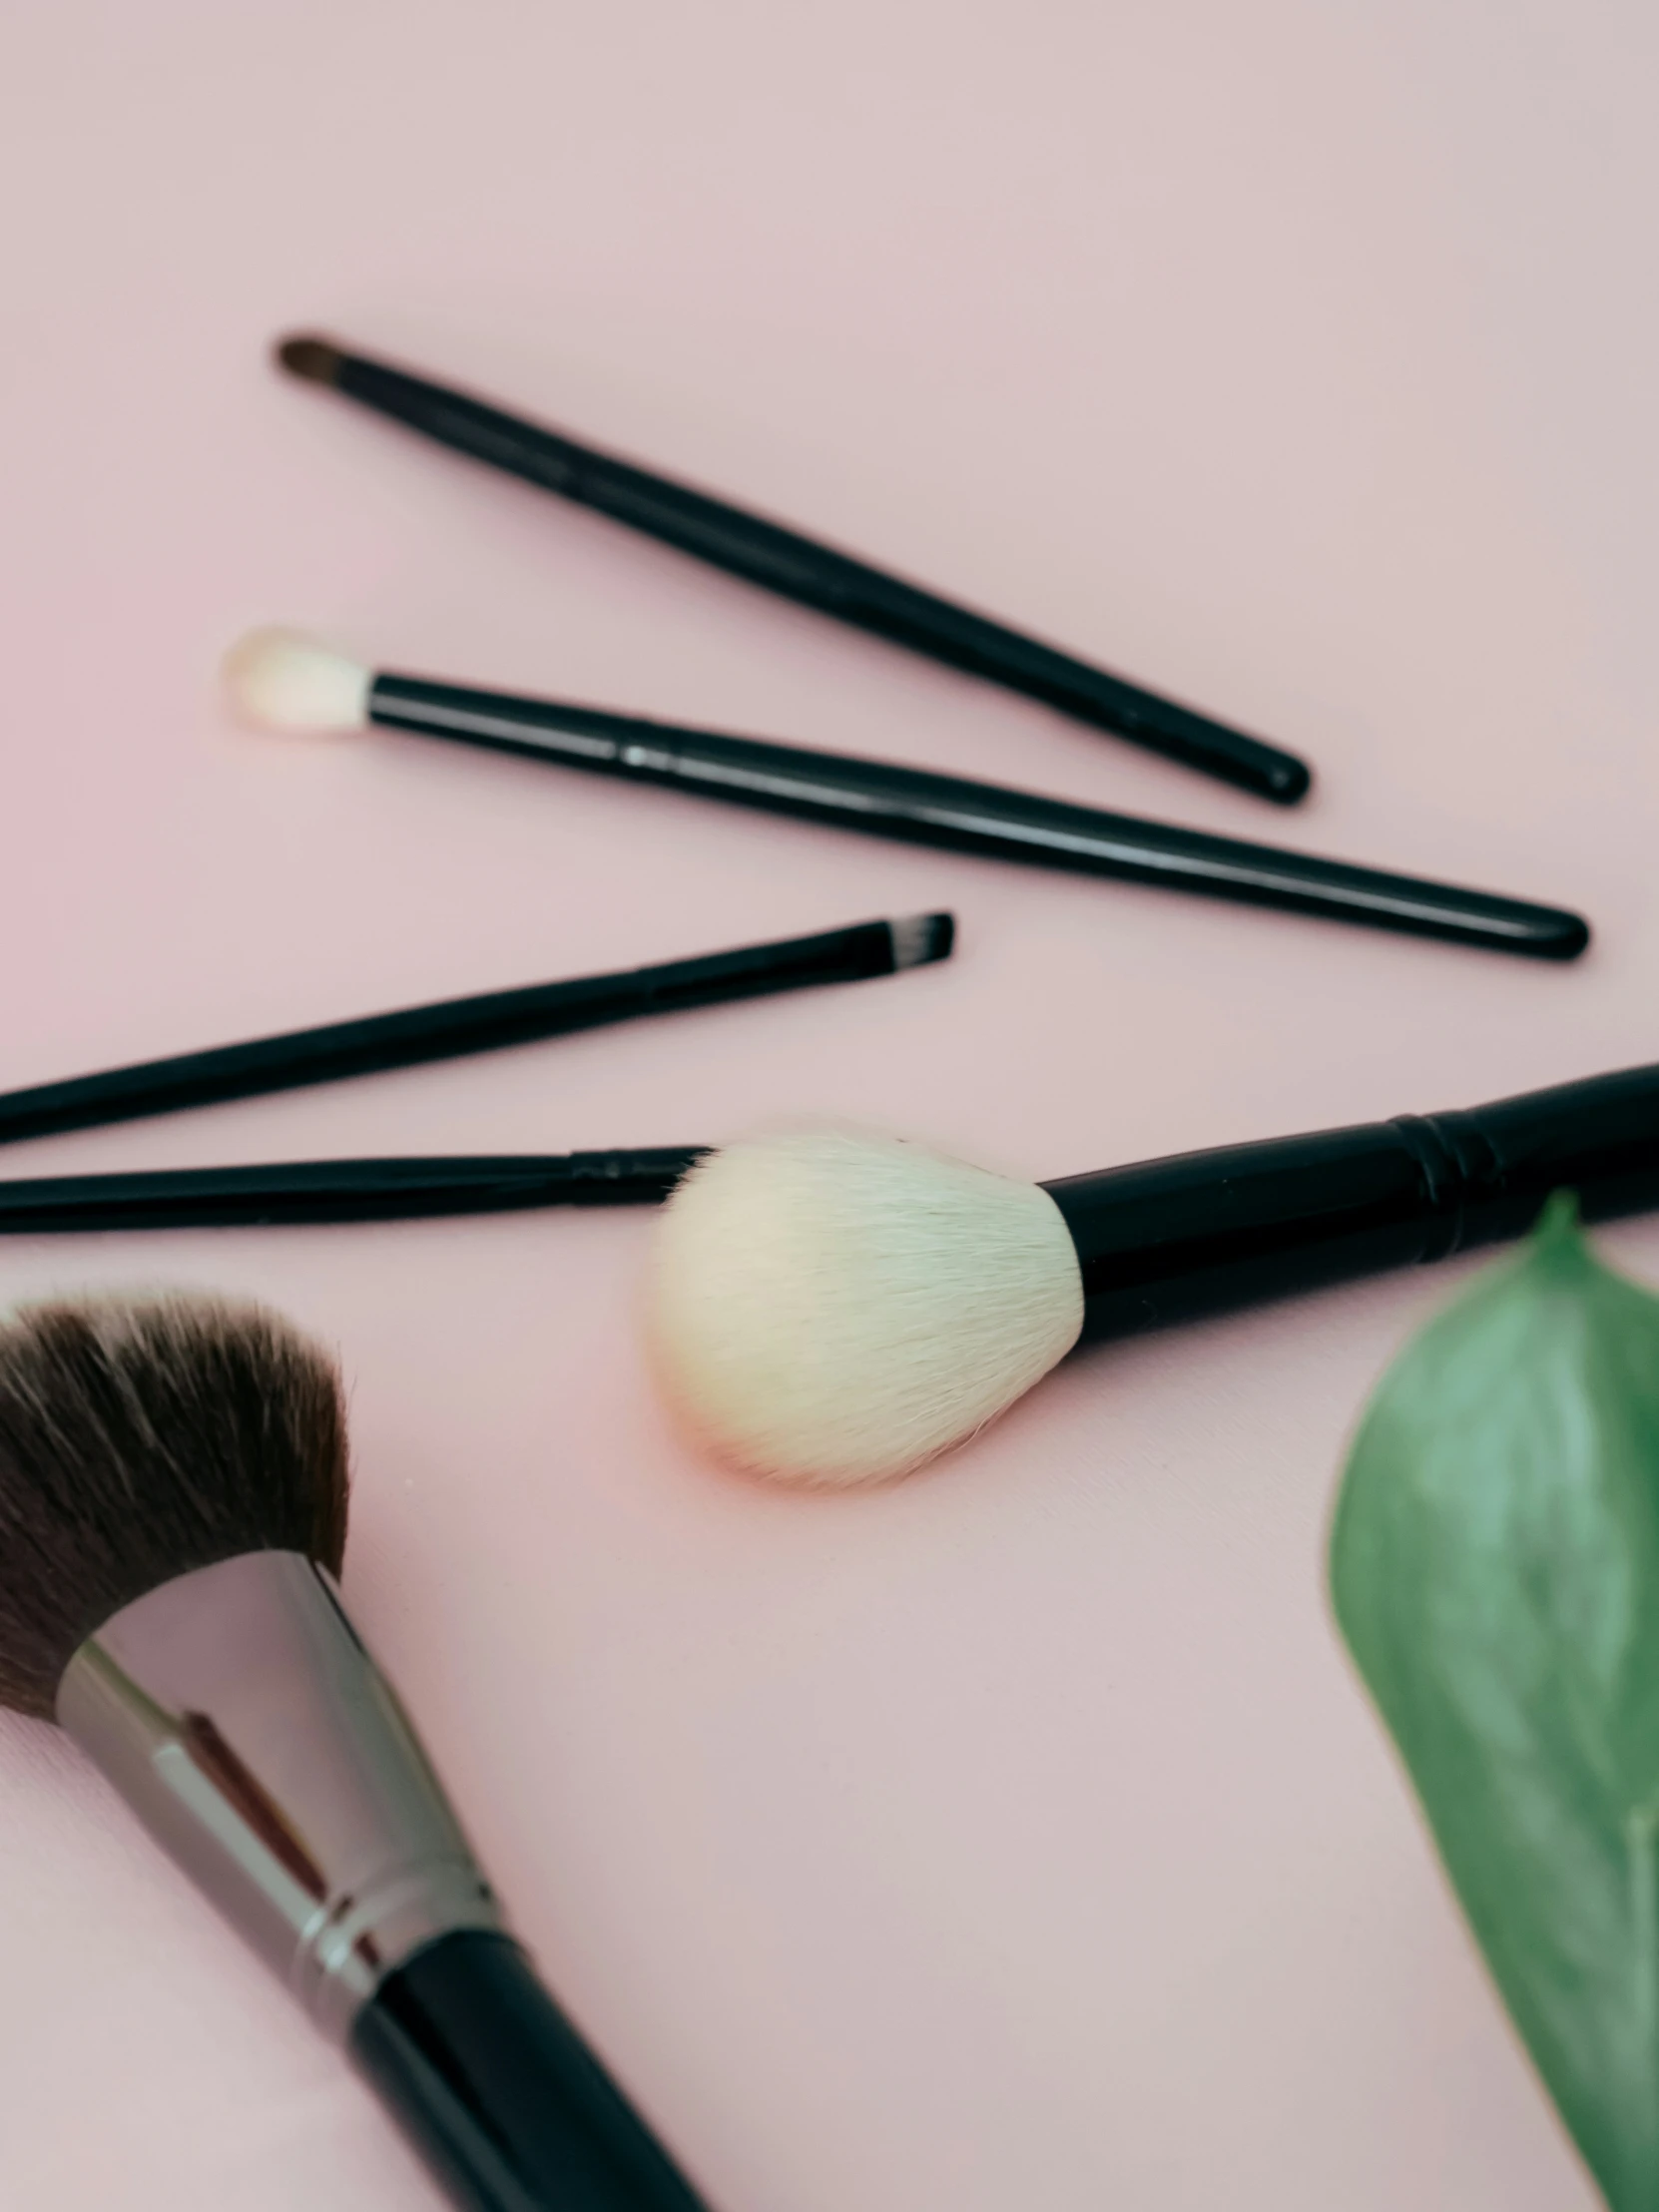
(317, 359)
(921, 938)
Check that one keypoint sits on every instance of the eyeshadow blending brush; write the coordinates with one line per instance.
(173, 1509)
(283, 682)
(798, 568)
(832, 1307)
(455, 1027)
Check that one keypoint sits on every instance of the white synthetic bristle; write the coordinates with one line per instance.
(833, 1308)
(278, 680)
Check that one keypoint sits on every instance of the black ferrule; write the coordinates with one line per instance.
(499, 2093)
(814, 575)
(849, 955)
(1205, 1232)
(917, 806)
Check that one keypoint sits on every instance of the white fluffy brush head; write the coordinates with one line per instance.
(832, 1308)
(282, 680)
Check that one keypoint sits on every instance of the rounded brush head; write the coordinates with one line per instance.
(141, 1440)
(835, 1309)
(282, 680)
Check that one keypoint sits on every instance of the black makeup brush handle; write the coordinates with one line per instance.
(1203, 1231)
(815, 575)
(292, 1193)
(499, 2093)
(920, 807)
(446, 1030)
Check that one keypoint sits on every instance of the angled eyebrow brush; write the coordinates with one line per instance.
(798, 568)
(451, 1028)
(279, 680)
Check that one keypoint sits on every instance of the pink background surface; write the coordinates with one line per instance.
(1017, 1835)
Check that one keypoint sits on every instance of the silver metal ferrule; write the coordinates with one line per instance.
(239, 1715)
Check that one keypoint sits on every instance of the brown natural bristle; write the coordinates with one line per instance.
(140, 1440)
(312, 357)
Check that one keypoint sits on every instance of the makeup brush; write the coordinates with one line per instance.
(833, 1308)
(301, 1193)
(173, 1507)
(798, 568)
(279, 680)
(454, 1027)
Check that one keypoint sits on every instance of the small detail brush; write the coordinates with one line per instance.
(798, 568)
(173, 1507)
(832, 1307)
(457, 1026)
(296, 1192)
(279, 681)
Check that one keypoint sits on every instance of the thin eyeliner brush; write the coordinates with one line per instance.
(305, 1193)
(798, 568)
(455, 1027)
(279, 681)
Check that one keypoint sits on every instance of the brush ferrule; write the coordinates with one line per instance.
(239, 1715)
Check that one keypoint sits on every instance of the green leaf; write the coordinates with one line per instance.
(1494, 1566)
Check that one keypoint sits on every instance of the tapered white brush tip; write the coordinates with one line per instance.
(282, 680)
(831, 1308)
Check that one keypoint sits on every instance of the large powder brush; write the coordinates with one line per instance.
(833, 1308)
(172, 1510)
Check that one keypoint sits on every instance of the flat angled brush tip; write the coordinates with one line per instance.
(919, 939)
(317, 359)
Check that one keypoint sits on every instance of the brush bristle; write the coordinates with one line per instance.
(140, 1440)
(918, 939)
(837, 1309)
(281, 680)
(314, 358)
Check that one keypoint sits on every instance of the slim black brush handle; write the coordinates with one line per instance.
(798, 568)
(920, 807)
(499, 2093)
(1205, 1232)
(449, 1030)
(300, 1192)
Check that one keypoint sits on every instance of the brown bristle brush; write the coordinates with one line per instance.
(173, 1508)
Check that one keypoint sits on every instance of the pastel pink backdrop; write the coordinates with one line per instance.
(1017, 1835)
